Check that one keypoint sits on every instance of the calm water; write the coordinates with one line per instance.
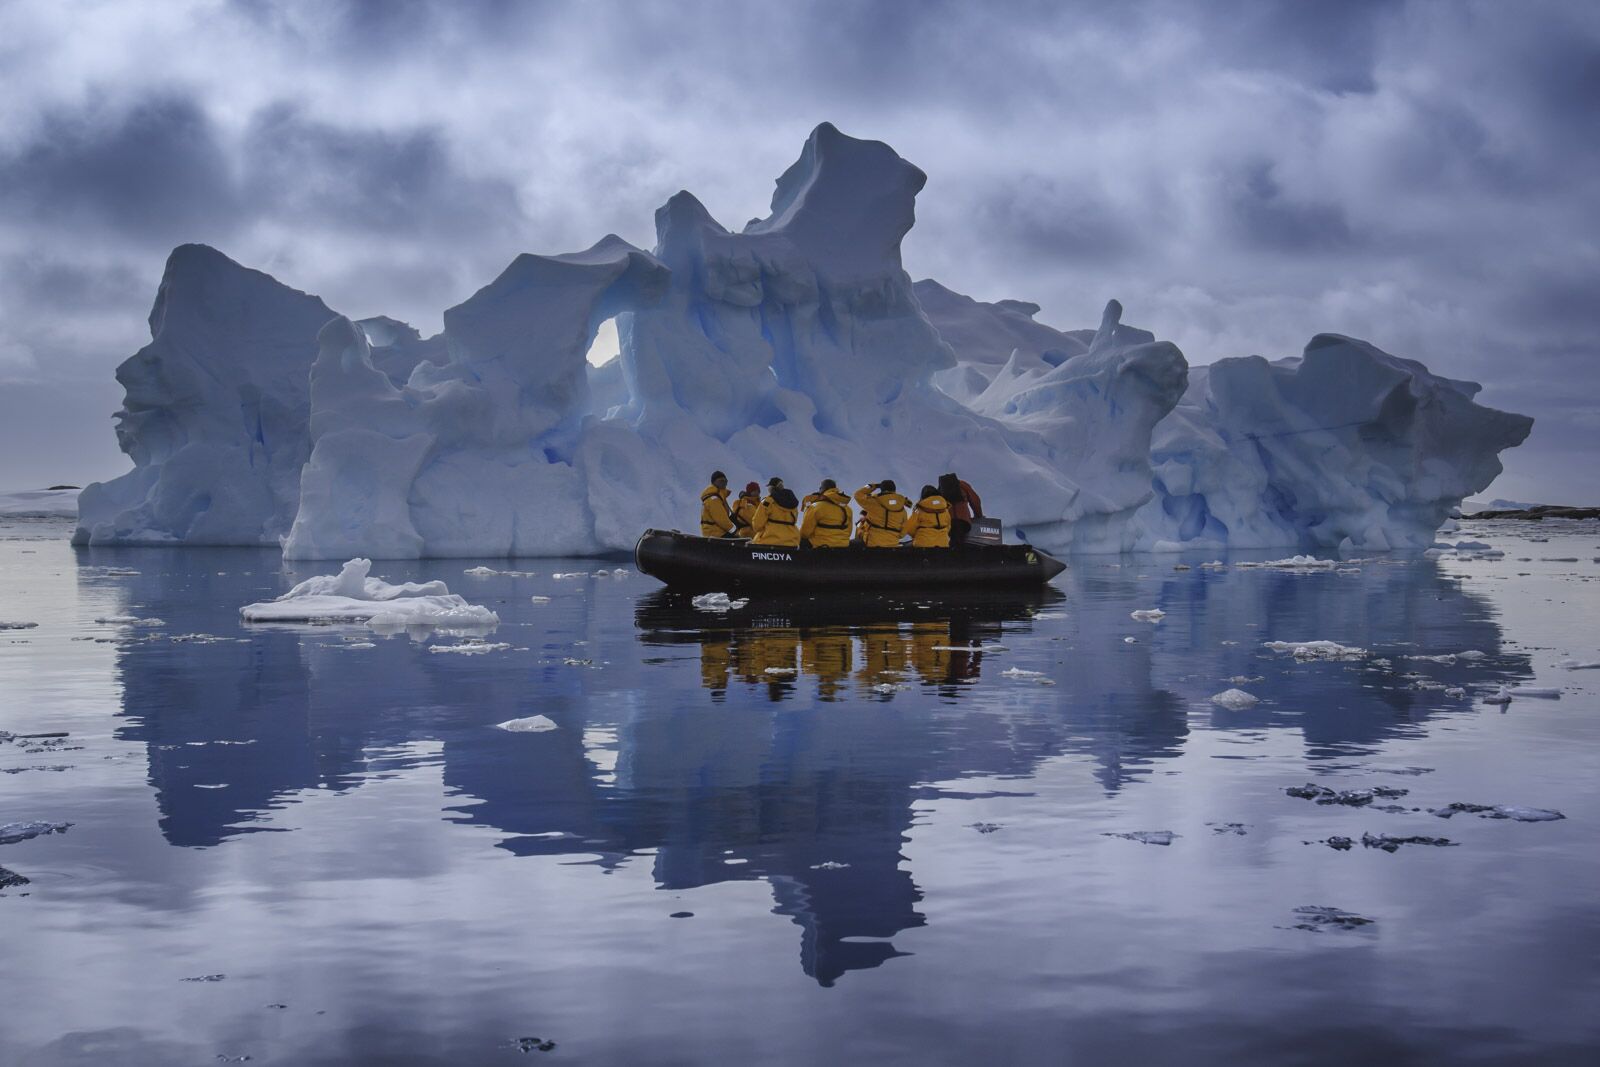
(803, 833)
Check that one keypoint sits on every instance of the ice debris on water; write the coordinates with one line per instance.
(1340, 844)
(205, 978)
(533, 1044)
(1238, 828)
(12, 832)
(985, 827)
(1575, 665)
(1148, 614)
(719, 602)
(1351, 798)
(128, 620)
(18, 625)
(1018, 672)
(1145, 837)
(539, 599)
(1130, 640)
(533, 724)
(1235, 699)
(11, 879)
(888, 687)
(782, 670)
(1293, 563)
(1318, 918)
(1414, 771)
(1315, 649)
(1497, 811)
(829, 865)
(1392, 842)
(1507, 693)
(471, 648)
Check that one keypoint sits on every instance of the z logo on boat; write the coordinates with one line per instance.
(781, 556)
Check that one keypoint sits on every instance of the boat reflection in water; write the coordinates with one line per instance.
(872, 643)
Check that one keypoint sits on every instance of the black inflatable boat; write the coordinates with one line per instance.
(713, 564)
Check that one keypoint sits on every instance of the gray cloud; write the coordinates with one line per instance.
(1241, 175)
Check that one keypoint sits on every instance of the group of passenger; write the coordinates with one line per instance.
(941, 516)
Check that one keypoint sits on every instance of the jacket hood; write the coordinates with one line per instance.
(933, 503)
(833, 496)
(784, 498)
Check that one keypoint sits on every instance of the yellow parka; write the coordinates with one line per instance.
(715, 518)
(776, 525)
(827, 521)
(744, 514)
(884, 515)
(929, 524)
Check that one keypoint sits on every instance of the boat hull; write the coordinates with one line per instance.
(706, 564)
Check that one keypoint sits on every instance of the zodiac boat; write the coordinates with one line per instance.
(705, 563)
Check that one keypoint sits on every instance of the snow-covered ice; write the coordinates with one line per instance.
(1148, 614)
(1235, 699)
(796, 346)
(352, 596)
(718, 602)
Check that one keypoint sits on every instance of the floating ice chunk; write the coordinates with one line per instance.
(829, 865)
(781, 670)
(1130, 640)
(1214, 565)
(128, 620)
(1392, 842)
(533, 724)
(887, 687)
(1018, 672)
(470, 648)
(1521, 814)
(1235, 699)
(18, 625)
(1434, 553)
(352, 596)
(1500, 696)
(1146, 837)
(480, 572)
(1575, 665)
(1540, 692)
(718, 602)
(1444, 658)
(1316, 649)
(12, 832)
(1471, 655)
(1472, 546)
(1317, 918)
(1455, 691)
(1148, 614)
(564, 575)
(539, 599)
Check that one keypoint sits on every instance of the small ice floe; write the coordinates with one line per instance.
(1293, 563)
(1575, 665)
(1238, 828)
(128, 620)
(358, 644)
(1351, 798)
(1507, 693)
(12, 832)
(1447, 657)
(1392, 842)
(984, 827)
(470, 648)
(18, 625)
(829, 865)
(1214, 565)
(1414, 771)
(1145, 837)
(1471, 655)
(204, 978)
(888, 687)
(536, 1044)
(621, 572)
(351, 596)
(718, 602)
(1043, 616)
(1558, 559)
(1455, 692)
(562, 576)
(1148, 615)
(533, 724)
(1315, 649)
(1234, 699)
(1498, 811)
(574, 661)
(539, 599)
(1130, 640)
(480, 572)
(1317, 918)
(958, 648)
(1181, 567)
(11, 879)
(781, 670)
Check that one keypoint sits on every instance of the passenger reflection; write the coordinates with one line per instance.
(827, 656)
(884, 655)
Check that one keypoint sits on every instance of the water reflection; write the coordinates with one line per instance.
(787, 743)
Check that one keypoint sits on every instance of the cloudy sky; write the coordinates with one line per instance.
(1240, 175)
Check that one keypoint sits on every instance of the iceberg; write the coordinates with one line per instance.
(796, 346)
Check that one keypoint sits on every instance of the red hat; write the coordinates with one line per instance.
(752, 487)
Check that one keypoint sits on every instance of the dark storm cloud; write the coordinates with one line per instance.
(1240, 174)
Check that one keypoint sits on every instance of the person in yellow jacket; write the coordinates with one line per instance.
(929, 524)
(827, 521)
(715, 518)
(883, 512)
(776, 521)
(744, 510)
